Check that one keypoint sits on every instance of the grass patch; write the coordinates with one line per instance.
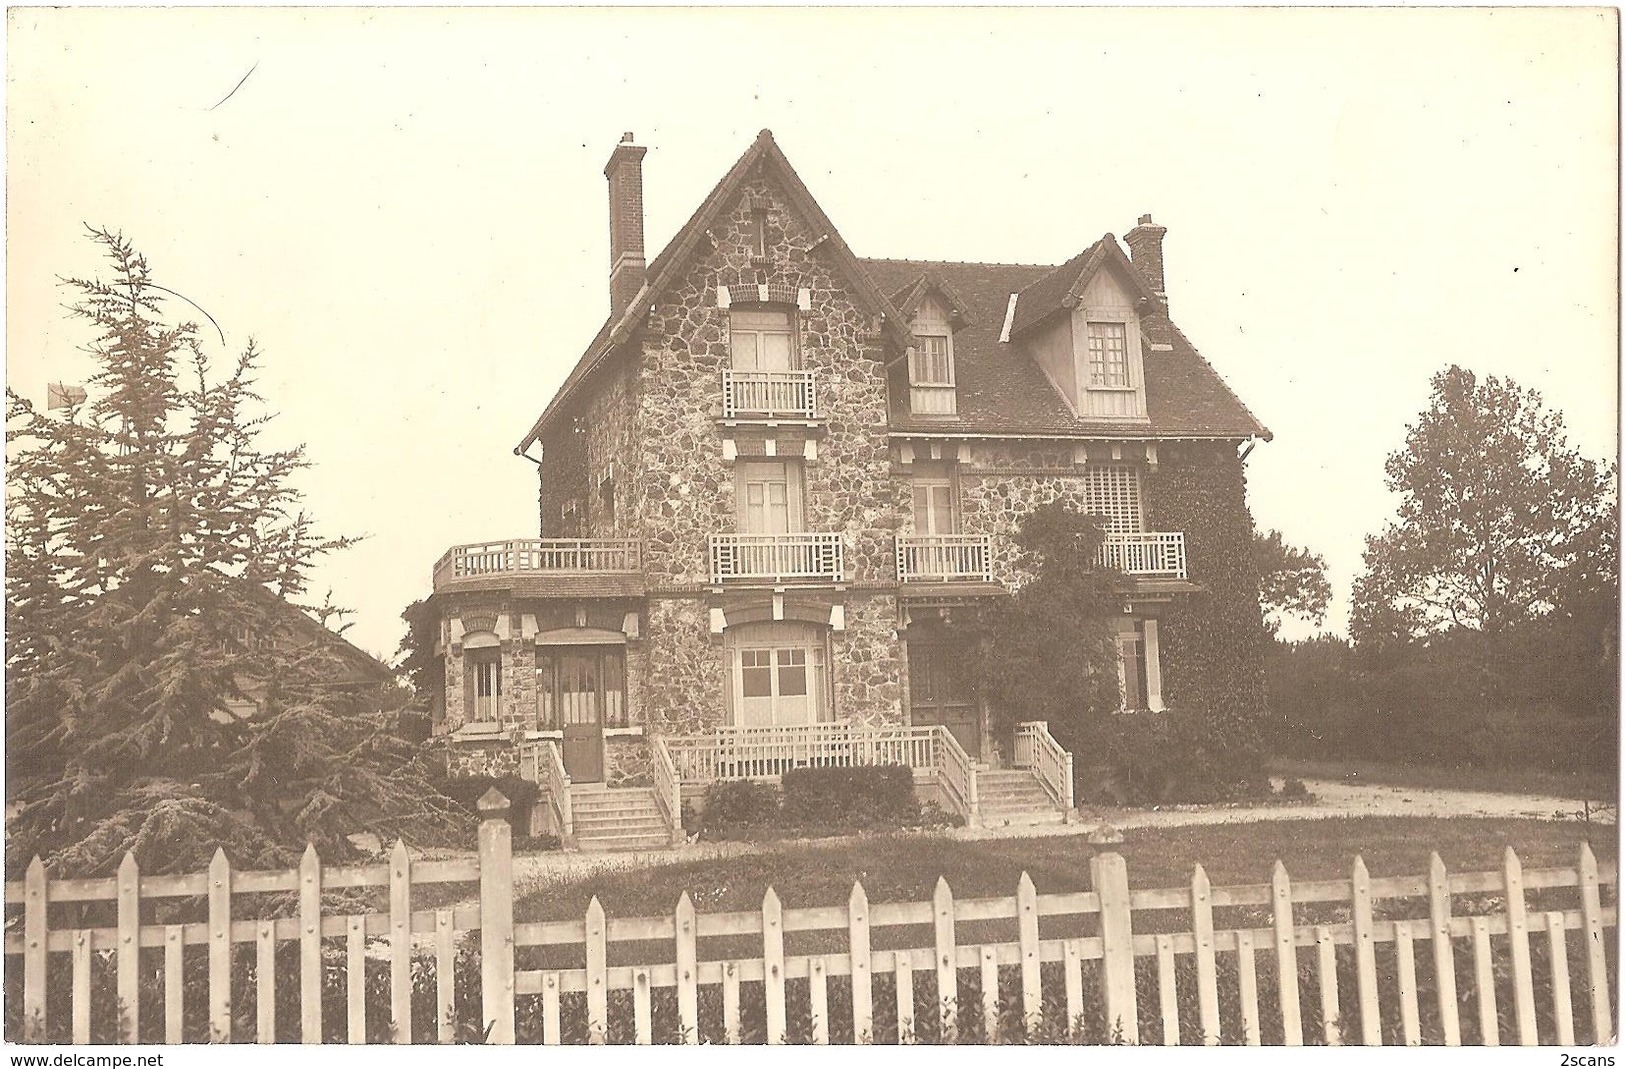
(898, 868)
(1580, 783)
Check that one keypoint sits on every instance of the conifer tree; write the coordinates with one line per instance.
(154, 547)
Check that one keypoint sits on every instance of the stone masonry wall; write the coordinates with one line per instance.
(682, 693)
(688, 487)
(868, 666)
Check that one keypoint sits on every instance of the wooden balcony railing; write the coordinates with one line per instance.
(1146, 553)
(768, 393)
(537, 555)
(944, 558)
(777, 557)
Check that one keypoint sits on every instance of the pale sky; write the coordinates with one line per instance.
(406, 208)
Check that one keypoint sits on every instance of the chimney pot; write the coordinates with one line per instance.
(1145, 220)
(626, 263)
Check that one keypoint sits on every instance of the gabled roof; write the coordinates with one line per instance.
(1001, 390)
(666, 268)
(1061, 287)
(908, 299)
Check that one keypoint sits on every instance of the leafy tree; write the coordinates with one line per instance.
(1047, 652)
(1499, 517)
(151, 543)
(1291, 581)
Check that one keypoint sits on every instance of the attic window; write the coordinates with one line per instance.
(931, 363)
(1108, 355)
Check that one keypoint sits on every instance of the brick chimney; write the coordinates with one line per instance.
(1145, 249)
(626, 264)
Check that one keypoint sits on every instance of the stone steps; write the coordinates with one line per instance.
(1015, 796)
(626, 818)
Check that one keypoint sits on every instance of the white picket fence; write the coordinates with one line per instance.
(1044, 944)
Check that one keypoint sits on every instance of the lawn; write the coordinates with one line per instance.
(905, 867)
(1580, 783)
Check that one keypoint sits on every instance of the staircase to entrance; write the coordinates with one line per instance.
(1016, 796)
(617, 818)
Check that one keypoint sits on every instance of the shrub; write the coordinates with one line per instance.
(739, 804)
(862, 797)
(1166, 758)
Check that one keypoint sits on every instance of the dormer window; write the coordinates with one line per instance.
(931, 363)
(1108, 356)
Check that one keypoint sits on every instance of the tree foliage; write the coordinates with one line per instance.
(1500, 520)
(1047, 652)
(1291, 581)
(154, 549)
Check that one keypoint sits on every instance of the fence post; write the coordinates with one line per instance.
(688, 992)
(1365, 954)
(34, 935)
(129, 948)
(1109, 873)
(1032, 1004)
(773, 965)
(597, 954)
(1286, 958)
(496, 917)
(1207, 969)
(400, 942)
(310, 946)
(857, 913)
(947, 955)
(1523, 982)
(219, 948)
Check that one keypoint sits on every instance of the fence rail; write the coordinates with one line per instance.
(949, 963)
(518, 555)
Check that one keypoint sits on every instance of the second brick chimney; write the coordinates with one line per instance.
(626, 264)
(1145, 250)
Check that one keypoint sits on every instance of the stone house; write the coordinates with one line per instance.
(778, 467)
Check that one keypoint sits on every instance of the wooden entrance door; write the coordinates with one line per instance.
(581, 716)
(937, 694)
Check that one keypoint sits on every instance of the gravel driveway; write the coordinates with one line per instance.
(1333, 798)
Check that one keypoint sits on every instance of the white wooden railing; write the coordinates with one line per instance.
(768, 393)
(1037, 749)
(668, 788)
(766, 752)
(777, 556)
(537, 555)
(1154, 553)
(557, 784)
(941, 558)
(956, 774)
(763, 752)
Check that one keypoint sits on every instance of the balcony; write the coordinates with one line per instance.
(953, 558)
(488, 565)
(1146, 554)
(768, 395)
(778, 557)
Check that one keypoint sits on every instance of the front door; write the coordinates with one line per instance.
(581, 716)
(937, 694)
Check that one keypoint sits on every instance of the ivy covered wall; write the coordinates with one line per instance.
(1213, 643)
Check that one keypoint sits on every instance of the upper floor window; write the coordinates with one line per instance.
(934, 511)
(1108, 355)
(1112, 491)
(768, 496)
(762, 340)
(931, 363)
